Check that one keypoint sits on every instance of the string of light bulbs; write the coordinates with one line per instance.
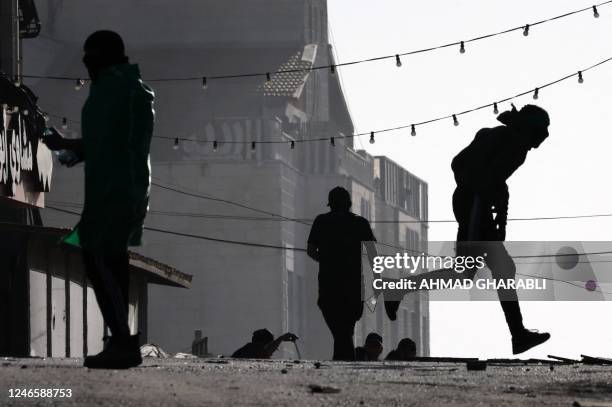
(276, 218)
(205, 80)
(302, 250)
(299, 249)
(536, 93)
(178, 189)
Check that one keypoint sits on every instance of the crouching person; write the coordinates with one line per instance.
(262, 345)
(406, 350)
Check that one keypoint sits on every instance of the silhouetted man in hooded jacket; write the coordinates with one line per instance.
(117, 126)
(480, 201)
(480, 205)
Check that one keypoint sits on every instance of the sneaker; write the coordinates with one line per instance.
(119, 354)
(527, 340)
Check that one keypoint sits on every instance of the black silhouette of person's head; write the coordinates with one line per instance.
(339, 200)
(531, 122)
(407, 348)
(103, 49)
(262, 337)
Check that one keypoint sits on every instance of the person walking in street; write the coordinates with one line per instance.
(335, 242)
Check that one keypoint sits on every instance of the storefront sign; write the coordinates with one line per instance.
(25, 162)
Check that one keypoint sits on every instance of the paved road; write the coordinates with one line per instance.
(206, 382)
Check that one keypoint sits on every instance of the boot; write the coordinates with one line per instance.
(121, 353)
(526, 339)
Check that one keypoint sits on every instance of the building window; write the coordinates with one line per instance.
(366, 211)
(296, 309)
(406, 320)
(412, 240)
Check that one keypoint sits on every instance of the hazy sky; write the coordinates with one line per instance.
(568, 175)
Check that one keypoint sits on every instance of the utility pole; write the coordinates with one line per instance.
(10, 43)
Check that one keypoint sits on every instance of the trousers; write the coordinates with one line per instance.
(478, 234)
(341, 320)
(110, 279)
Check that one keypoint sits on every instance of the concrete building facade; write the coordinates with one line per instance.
(232, 170)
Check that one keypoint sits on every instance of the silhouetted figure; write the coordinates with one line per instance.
(480, 205)
(262, 345)
(371, 349)
(117, 126)
(335, 242)
(406, 350)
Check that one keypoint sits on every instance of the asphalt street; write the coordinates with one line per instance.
(211, 382)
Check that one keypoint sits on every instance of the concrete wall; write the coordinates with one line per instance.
(64, 317)
(56, 316)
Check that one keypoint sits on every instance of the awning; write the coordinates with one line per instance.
(156, 272)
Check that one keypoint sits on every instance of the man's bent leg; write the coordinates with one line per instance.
(502, 267)
(394, 297)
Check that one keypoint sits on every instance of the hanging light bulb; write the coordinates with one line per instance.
(495, 109)
(176, 144)
(78, 84)
(398, 61)
(332, 69)
(16, 109)
(268, 77)
(215, 145)
(595, 12)
(455, 121)
(536, 93)
(292, 144)
(26, 112)
(204, 83)
(252, 146)
(64, 123)
(17, 81)
(372, 141)
(412, 130)
(332, 141)
(580, 78)
(462, 47)
(526, 30)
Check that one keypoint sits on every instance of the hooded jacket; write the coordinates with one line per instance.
(117, 126)
(491, 158)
